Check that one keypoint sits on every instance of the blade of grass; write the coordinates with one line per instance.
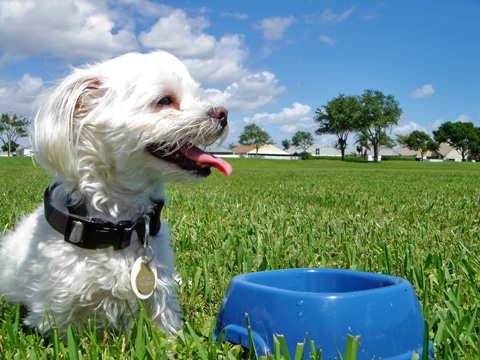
(387, 258)
(426, 343)
(283, 347)
(252, 351)
(56, 342)
(72, 344)
(351, 348)
(299, 351)
(198, 343)
(315, 354)
(140, 338)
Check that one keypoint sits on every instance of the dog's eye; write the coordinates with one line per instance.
(167, 100)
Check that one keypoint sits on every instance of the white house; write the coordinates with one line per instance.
(444, 153)
(25, 151)
(448, 153)
(219, 151)
(383, 151)
(265, 151)
(317, 150)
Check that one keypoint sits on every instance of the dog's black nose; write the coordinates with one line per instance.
(221, 114)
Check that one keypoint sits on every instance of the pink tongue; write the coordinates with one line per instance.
(195, 154)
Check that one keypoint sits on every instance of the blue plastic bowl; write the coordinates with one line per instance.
(329, 305)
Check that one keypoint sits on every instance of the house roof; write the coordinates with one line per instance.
(445, 149)
(217, 149)
(243, 149)
(407, 152)
(265, 149)
(324, 150)
(384, 151)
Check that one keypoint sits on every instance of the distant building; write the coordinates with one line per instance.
(25, 151)
(265, 151)
(384, 151)
(317, 150)
(219, 150)
(444, 153)
(406, 152)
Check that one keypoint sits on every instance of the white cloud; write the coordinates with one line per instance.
(248, 93)
(211, 61)
(180, 35)
(80, 31)
(370, 16)
(423, 92)
(329, 17)
(288, 116)
(463, 118)
(307, 125)
(285, 123)
(274, 28)
(21, 96)
(435, 125)
(238, 16)
(70, 30)
(145, 8)
(224, 65)
(406, 127)
(327, 40)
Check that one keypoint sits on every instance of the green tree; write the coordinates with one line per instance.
(462, 136)
(302, 140)
(13, 146)
(378, 113)
(402, 140)
(364, 144)
(339, 117)
(286, 144)
(12, 127)
(419, 141)
(474, 148)
(253, 134)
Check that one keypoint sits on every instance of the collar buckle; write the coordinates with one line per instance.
(95, 233)
(98, 234)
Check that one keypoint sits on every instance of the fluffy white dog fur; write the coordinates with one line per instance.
(93, 134)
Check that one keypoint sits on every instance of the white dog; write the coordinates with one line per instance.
(112, 135)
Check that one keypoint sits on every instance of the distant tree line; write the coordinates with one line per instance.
(12, 128)
(369, 117)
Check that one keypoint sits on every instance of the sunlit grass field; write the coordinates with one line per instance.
(419, 221)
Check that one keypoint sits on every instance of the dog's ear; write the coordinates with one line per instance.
(91, 91)
(57, 122)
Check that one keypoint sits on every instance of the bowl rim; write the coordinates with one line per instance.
(391, 283)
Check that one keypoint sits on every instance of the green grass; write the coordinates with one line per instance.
(419, 221)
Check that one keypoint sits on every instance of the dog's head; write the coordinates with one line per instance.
(129, 123)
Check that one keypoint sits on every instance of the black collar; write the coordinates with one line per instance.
(95, 233)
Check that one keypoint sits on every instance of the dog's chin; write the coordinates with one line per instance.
(180, 160)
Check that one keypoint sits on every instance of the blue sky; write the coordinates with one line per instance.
(272, 63)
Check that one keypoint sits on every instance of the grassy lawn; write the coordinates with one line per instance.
(419, 221)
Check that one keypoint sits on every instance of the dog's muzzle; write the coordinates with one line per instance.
(221, 114)
(191, 158)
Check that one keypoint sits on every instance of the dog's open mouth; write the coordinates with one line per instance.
(190, 158)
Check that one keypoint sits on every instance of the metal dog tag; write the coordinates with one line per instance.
(143, 279)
